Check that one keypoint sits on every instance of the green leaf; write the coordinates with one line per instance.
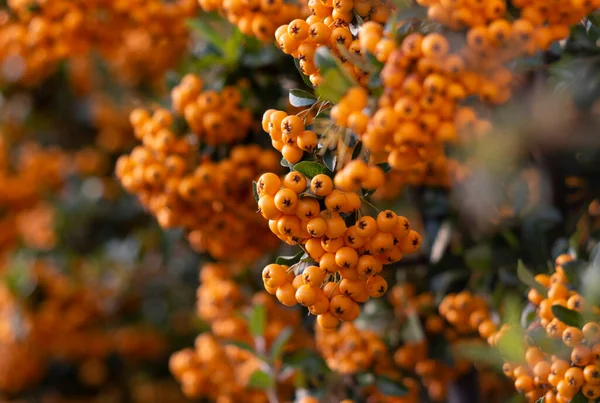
(365, 379)
(207, 32)
(310, 169)
(528, 316)
(389, 387)
(567, 316)
(580, 398)
(527, 278)
(301, 98)
(260, 380)
(478, 352)
(257, 320)
(541, 399)
(357, 150)
(336, 80)
(385, 166)
(574, 269)
(280, 342)
(412, 331)
(289, 260)
(304, 76)
(242, 345)
(255, 191)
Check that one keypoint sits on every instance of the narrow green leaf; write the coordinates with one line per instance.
(541, 399)
(567, 316)
(528, 279)
(301, 98)
(208, 32)
(280, 342)
(289, 260)
(390, 387)
(260, 380)
(385, 166)
(304, 76)
(357, 150)
(528, 316)
(310, 169)
(257, 320)
(255, 191)
(242, 345)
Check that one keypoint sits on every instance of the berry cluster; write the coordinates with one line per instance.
(66, 324)
(212, 200)
(349, 350)
(142, 41)
(216, 371)
(349, 258)
(219, 371)
(25, 180)
(329, 25)
(413, 355)
(259, 18)
(570, 365)
(214, 117)
(288, 134)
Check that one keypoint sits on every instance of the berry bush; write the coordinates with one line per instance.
(304, 201)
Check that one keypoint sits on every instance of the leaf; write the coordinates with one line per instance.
(242, 345)
(330, 159)
(207, 32)
(573, 270)
(541, 399)
(257, 320)
(336, 80)
(567, 316)
(289, 260)
(304, 76)
(580, 398)
(389, 387)
(478, 352)
(365, 379)
(527, 278)
(260, 380)
(301, 98)
(479, 257)
(310, 169)
(285, 163)
(357, 150)
(280, 342)
(255, 191)
(385, 166)
(412, 331)
(528, 315)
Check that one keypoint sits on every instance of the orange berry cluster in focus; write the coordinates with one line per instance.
(329, 25)
(349, 258)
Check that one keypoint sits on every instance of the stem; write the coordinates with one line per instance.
(337, 284)
(371, 204)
